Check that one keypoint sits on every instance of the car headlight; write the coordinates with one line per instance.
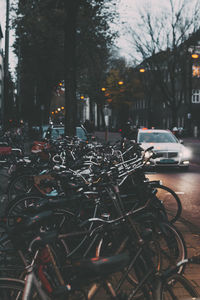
(186, 153)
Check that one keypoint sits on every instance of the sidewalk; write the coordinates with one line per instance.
(191, 234)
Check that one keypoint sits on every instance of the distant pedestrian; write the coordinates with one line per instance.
(89, 126)
(175, 131)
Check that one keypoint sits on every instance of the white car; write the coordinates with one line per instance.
(172, 153)
(57, 132)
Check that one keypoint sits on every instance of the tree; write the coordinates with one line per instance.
(39, 46)
(160, 44)
(123, 87)
(93, 52)
(93, 13)
(48, 49)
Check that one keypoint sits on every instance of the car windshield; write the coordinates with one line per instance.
(156, 137)
(81, 133)
(57, 133)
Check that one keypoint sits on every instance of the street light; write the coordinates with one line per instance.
(194, 55)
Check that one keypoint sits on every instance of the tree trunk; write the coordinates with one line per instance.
(71, 11)
(102, 116)
(174, 111)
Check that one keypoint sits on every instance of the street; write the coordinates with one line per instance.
(185, 184)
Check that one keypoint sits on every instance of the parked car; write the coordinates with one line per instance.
(56, 132)
(172, 152)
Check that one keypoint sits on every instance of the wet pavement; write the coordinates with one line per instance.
(191, 234)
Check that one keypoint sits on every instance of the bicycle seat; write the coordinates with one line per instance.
(101, 266)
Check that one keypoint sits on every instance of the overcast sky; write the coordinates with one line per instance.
(12, 57)
(127, 9)
(128, 15)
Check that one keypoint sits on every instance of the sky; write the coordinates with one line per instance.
(128, 15)
(126, 8)
(12, 57)
(128, 11)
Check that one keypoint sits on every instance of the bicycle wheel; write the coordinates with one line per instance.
(129, 279)
(63, 220)
(11, 289)
(170, 201)
(19, 205)
(176, 287)
(19, 186)
(172, 245)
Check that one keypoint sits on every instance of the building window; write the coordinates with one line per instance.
(196, 71)
(195, 96)
(183, 98)
(182, 123)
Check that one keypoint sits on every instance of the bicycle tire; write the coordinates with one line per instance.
(170, 201)
(20, 185)
(172, 244)
(20, 203)
(175, 287)
(131, 280)
(11, 289)
(73, 244)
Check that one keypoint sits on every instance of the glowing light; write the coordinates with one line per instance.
(142, 70)
(59, 109)
(194, 55)
(62, 107)
(120, 82)
(103, 89)
(82, 97)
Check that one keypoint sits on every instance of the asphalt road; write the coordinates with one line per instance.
(186, 185)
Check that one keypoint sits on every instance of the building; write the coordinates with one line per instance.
(162, 106)
(1, 74)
